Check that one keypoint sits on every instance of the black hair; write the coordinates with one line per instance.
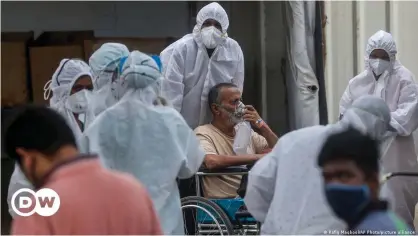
(214, 92)
(36, 128)
(351, 145)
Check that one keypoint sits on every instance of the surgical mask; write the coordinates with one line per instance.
(211, 37)
(78, 102)
(347, 201)
(379, 66)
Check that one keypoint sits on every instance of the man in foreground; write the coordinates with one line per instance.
(217, 140)
(350, 168)
(70, 86)
(94, 201)
(284, 191)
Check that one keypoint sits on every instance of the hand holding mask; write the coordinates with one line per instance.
(251, 115)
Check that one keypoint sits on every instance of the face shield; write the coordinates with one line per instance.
(370, 115)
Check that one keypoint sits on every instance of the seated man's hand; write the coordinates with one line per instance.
(251, 115)
(265, 151)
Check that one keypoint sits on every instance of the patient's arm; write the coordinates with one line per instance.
(214, 161)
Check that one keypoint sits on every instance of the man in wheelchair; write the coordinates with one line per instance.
(217, 139)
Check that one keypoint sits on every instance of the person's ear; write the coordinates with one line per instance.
(374, 183)
(25, 157)
(215, 109)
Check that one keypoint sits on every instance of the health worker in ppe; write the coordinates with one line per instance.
(285, 191)
(198, 61)
(386, 78)
(71, 87)
(153, 142)
(106, 64)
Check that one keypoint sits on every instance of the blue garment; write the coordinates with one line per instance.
(158, 61)
(383, 222)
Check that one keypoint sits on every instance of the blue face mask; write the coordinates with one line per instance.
(347, 201)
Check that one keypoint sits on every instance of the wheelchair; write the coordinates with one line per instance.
(218, 216)
(390, 175)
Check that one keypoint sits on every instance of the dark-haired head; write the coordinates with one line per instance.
(223, 100)
(38, 137)
(351, 158)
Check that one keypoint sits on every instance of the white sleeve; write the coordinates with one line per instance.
(17, 181)
(346, 100)
(173, 72)
(238, 79)
(261, 185)
(405, 118)
(193, 152)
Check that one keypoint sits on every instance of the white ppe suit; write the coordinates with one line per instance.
(190, 73)
(151, 142)
(106, 64)
(61, 84)
(285, 189)
(398, 88)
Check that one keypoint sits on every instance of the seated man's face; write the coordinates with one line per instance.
(225, 111)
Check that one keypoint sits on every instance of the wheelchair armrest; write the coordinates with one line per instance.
(243, 214)
(388, 176)
(236, 170)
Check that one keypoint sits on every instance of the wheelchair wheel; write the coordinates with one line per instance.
(209, 218)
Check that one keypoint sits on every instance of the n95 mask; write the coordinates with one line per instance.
(379, 66)
(78, 102)
(211, 37)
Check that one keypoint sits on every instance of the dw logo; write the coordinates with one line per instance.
(45, 202)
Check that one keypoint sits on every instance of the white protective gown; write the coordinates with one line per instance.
(153, 143)
(285, 189)
(190, 73)
(61, 83)
(397, 86)
(105, 64)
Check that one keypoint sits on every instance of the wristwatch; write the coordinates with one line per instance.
(259, 123)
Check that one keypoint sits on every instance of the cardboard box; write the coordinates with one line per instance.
(44, 61)
(14, 89)
(14, 68)
(62, 38)
(145, 45)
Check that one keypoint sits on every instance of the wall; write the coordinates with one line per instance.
(263, 87)
(118, 19)
(350, 24)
